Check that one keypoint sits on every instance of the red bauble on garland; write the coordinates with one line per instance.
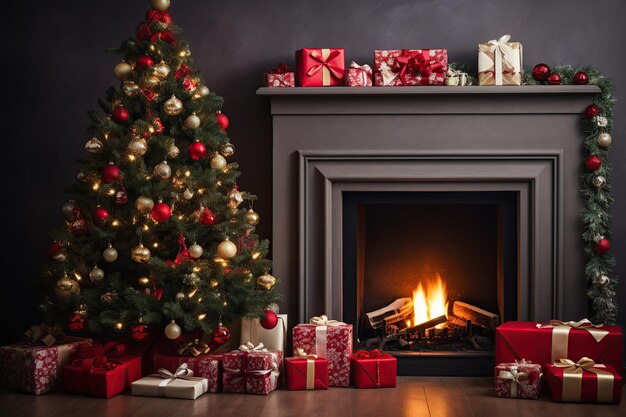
(554, 79)
(223, 121)
(592, 111)
(120, 114)
(139, 332)
(144, 62)
(110, 173)
(593, 162)
(207, 217)
(100, 215)
(161, 212)
(541, 72)
(76, 322)
(196, 151)
(602, 245)
(270, 320)
(220, 334)
(581, 78)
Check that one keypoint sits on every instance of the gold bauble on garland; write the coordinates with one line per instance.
(604, 140)
(173, 106)
(162, 171)
(144, 204)
(195, 251)
(96, 274)
(161, 70)
(252, 217)
(140, 254)
(265, 282)
(138, 146)
(192, 121)
(226, 249)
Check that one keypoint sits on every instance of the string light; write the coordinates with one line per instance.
(180, 217)
(225, 303)
(200, 190)
(146, 227)
(218, 183)
(214, 283)
(192, 293)
(77, 276)
(201, 316)
(119, 325)
(151, 129)
(144, 280)
(95, 186)
(187, 173)
(256, 255)
(115, 223)
(111, 191)
(221, 261)
(196, 269)
(155, 245)
(200, 299)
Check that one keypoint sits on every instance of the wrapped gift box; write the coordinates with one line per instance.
(518, 380)
(207, 366)
(359, 75)
(542, 343)
(500, 62)
(272, 339)
(252, 370)
(306, 373)
(280, 77)
(397, 67)
(36, 368)
(583, 381)
(373, 369)
(327, 339)
(320, 67)
(179, 384)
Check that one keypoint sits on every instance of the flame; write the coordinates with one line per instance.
(430, 303)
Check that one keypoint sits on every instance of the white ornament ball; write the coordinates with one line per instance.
(180, 295)
(203, 91)
(162, 170)
(173, 106)
(161, 5)
(195, 251)
(598, 181)
(94, 145)
(138, 146)
(144, 204)
(218, 162)
(172, 330)
(173, 151)
(273, 307)
(122, 70)
(226, 249)
(227, 149)
(96, 274)
(110, 254)
(604, 140)
(603, 280)
(192, 122)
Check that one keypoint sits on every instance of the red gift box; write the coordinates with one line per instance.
(583, 381)
(518, 380)
(254, 370)
(306, 372)
(540, 343)
(36, 368)
(320, 67)
(359, 75)
(373, 369)
(101, 371)
(396, 67)
(207, 366)
(280, 77)
(328, 339)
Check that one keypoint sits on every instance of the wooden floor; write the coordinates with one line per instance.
(414, 396)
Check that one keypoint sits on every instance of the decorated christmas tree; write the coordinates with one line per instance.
(157, 230)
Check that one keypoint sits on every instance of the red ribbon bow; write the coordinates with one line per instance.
(418, 63)
(335, 71)
(144, 30)
(280, 69)
(91, 358)
(364, 354)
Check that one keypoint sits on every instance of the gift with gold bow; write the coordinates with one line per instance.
(500, 62)
(359, 75)
(519, 379)
(547, 342)
(330, 339)
(101, 371)
(320, 67)
(373, 369)
(281, 76)
(583, 381)
(306, 371)
(410, 67)
(252, 369)
(180, 383)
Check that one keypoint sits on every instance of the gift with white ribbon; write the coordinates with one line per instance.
(500, 62)
(178, 384)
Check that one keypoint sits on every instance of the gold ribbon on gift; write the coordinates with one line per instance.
(560, 334)
(500, 57)
(249, 347)
(323, 320)
(310, 367)
(45, 334)
(193, 348)
(456, 78)
(516, 377)
(573, 379)
(325, 57)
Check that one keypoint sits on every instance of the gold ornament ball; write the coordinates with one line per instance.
(195, 251)
(122, 70)
(172, 330)
(150, 81)
(140, 254)
(161, 5)
(144, 204)
(604, 140)
(138, 146)
(173, 106)
(94, 146)
(218, 162)
(65, 287)
(110, 254)
(173, 151)
(201, 91)
(96, 274)
(67, 209)
(188, 194)
(234, 199)
(227, 149)
(265, 282)
(598, 181)
(162, 171)
(193, 121)
(226, 249)
(161, 70)
(252, 217)
(130, 88)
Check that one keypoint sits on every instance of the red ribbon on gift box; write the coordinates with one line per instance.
(418, 63)
(96, 356)
(280, 69)
(374, 354)
(336, 71)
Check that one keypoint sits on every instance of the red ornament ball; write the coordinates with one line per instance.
(554, 79)
(220, 334)
(76, 322)
(79, 227)
(541, 72)
(110, 173)
(207, 217)
(139, 332)
(197, 151)
(100, 215)
(592, 111)
(581, 78)
(593, 162)
(161, 212)
(56, 251)
(223, 121)
(120, 114)
(270, 320)
(144, 62)
(602, 245)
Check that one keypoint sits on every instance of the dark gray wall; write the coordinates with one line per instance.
(57, 68)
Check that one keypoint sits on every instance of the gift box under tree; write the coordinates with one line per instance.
(306, 372)
(252, 369)
(583, 381)
(518, 380)
(373, 369)
(178, 384)
(272, 339)
(320, 67)
(398, 67)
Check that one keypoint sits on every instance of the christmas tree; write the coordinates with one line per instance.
(157, 231)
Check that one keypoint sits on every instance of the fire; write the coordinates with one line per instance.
(430, 303)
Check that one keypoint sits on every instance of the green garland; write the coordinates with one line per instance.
(596, 214)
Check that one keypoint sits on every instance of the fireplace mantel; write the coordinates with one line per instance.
(327, 141)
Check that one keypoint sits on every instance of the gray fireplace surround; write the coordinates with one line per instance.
(526, 139)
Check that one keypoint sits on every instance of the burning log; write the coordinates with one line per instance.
(397, 311)
(426, 325)
(476, 315)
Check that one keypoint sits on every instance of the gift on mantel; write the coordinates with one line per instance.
(359, 75)
(583, 381)
(178, 384)
(280, 76)
(410, 67)
(518, 379)
(320, 67)
(500, 62)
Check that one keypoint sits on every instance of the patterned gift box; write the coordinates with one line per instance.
(178, 384)
(36, 368)
(583, 381)
(280, 77)
(207, 366)
(251, 369)
(320, 67)
(359, 75)
(397, 67)
(518, 380)
(500, 62)
(374, 369)
(327, 339)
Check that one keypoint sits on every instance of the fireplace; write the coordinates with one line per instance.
(379, 190)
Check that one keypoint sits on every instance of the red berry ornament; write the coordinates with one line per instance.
(76, 322)
(541, 72)
(100, 215)
(197, 151)
(220, 334)
(554, 79)
(144, 62)
(161, 212)
(270, 320)
(603, 245)
(120, 114)
(592, 111)
(593, 162)
(110, 173)
(581, 78)
(207, 217)
(223, 121)
(139, 332)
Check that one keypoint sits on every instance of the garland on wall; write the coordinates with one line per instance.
(595, 185)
